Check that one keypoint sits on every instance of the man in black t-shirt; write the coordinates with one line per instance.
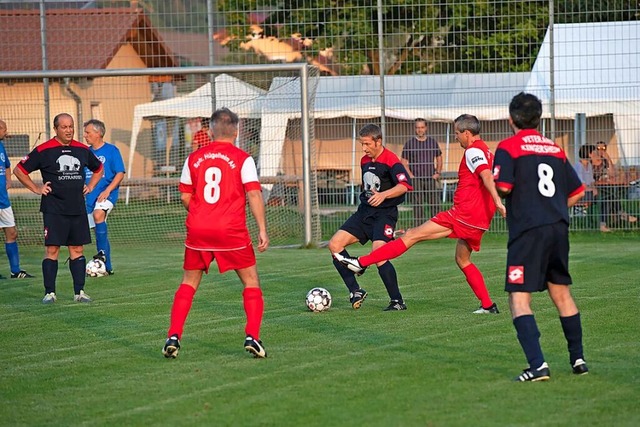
(384, 183)
(538, 183)
(61, 161)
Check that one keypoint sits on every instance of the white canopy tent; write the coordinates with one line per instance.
(242, 98)
(596, 72)
(433, 97)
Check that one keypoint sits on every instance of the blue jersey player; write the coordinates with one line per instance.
(104, 196)
(7, 220)
(538, 182)
(384, 183)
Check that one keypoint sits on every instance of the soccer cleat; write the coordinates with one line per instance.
(49, 298)
(171, 347)
(21, 275)
(356, 298)
(540, 374)
(580, 367)
(255, 347)
(351, 263)
(399, 233)
(101, 256)
(395, 305)
(491, 310)
(82, 297)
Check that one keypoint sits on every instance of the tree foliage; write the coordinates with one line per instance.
(427, 36)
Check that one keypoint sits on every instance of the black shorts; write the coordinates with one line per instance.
(371, 224)
(66, 230)
(538, 256)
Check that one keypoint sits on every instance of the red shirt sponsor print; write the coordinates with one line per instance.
(516, 274)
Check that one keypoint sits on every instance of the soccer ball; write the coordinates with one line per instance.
(318, 299)
(96, 268)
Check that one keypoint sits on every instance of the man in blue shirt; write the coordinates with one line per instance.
(7, 220)
(104, 196)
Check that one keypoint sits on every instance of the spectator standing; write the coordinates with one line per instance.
(7, 220)
(422, 158)
(538, 183)
(61, 161)
(474, 204)
(215, 183)
(101, 201)
(384, 183)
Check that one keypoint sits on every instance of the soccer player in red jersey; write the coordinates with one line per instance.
(216, 181)
(474, 204)
(539, 184)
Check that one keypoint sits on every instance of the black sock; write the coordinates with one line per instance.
(529, 337)
(78, 269)
(389, 277)
(49, 273)
(572, 328)
(348, 277)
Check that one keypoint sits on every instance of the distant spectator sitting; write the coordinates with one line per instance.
(201, 138)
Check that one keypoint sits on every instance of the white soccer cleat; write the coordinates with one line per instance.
(49, 298)
(82, 297)
(351, 263)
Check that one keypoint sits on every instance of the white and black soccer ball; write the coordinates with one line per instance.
(96, 268)
(318, 299)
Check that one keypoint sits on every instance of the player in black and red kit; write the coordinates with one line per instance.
(474, 204)
(61, 161)
(384, 183)
(215, 184)
(538, 183)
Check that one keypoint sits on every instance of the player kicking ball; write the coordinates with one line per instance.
(474, 205)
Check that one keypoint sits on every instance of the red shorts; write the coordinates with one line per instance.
(226, 260)
(459, 230)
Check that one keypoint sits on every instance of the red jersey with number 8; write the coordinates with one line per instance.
(218, 177)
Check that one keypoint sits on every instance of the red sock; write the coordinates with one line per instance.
(476, 282)
(180, 310)
(253, 308)
(388, 251)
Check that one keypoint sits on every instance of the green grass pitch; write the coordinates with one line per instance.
(435, 364)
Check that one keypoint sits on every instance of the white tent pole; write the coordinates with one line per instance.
(352, 190)
(446, 161)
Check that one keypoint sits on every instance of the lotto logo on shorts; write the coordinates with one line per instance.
(388, 231)
(516, 274)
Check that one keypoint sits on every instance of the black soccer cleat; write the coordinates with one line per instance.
(491, 310)
(540, 374)
(101, 256)
(255, 347)
(395, 305)
(356, 298)
(351, 263)
(171, 347)
(580, 367)
(21, 275)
